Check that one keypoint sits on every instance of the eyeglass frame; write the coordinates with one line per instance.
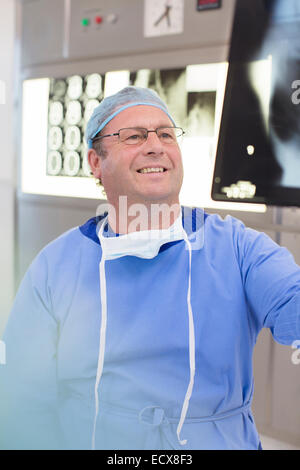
(140, 128)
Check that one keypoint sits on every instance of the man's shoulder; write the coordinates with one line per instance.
(72, 241)
(63, 241)
(212, 220)
(223, 222)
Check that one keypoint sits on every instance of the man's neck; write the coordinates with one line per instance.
(125, 218)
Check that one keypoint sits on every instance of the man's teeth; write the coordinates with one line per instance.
(152, 170)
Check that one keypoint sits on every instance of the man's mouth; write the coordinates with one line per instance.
(152, 170)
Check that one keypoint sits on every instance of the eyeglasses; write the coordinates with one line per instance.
(138, 135)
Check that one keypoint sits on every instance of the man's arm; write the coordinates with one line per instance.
(28, 382)
(272, 284)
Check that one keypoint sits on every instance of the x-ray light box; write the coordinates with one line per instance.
(56, 111)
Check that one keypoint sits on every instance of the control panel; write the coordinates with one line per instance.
(73, 29)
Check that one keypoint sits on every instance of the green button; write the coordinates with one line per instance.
(85, 21)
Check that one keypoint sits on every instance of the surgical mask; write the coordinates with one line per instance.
(143, 244)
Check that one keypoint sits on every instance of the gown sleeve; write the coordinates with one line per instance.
(28, 382)
(271, 281)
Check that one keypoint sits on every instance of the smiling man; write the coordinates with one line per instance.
(138, 332)
(142, 160)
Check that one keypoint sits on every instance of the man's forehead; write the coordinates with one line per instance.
(140, 116)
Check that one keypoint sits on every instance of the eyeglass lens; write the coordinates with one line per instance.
(139, 135)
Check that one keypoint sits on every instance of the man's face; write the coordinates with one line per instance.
(120, 169)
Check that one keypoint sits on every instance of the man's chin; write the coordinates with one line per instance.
(155, 197)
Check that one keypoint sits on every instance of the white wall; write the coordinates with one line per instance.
(7, 158)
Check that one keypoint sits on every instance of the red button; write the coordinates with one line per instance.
(98, 19)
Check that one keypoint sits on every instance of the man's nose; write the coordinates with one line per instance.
(153, 143)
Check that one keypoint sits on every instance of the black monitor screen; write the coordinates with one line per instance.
(258, 155)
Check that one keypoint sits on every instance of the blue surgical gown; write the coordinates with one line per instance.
(241, 281)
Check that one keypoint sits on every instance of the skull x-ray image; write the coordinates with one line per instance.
(259, 140)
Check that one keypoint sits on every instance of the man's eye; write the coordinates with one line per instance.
(166, 135)
(134, 137)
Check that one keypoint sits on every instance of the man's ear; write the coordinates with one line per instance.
(95, 163)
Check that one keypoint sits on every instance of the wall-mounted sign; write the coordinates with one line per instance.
(208, 4)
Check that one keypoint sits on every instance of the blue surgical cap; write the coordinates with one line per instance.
(114, 104)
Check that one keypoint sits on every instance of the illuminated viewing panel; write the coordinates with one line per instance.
(54, 159)
(258, 156)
